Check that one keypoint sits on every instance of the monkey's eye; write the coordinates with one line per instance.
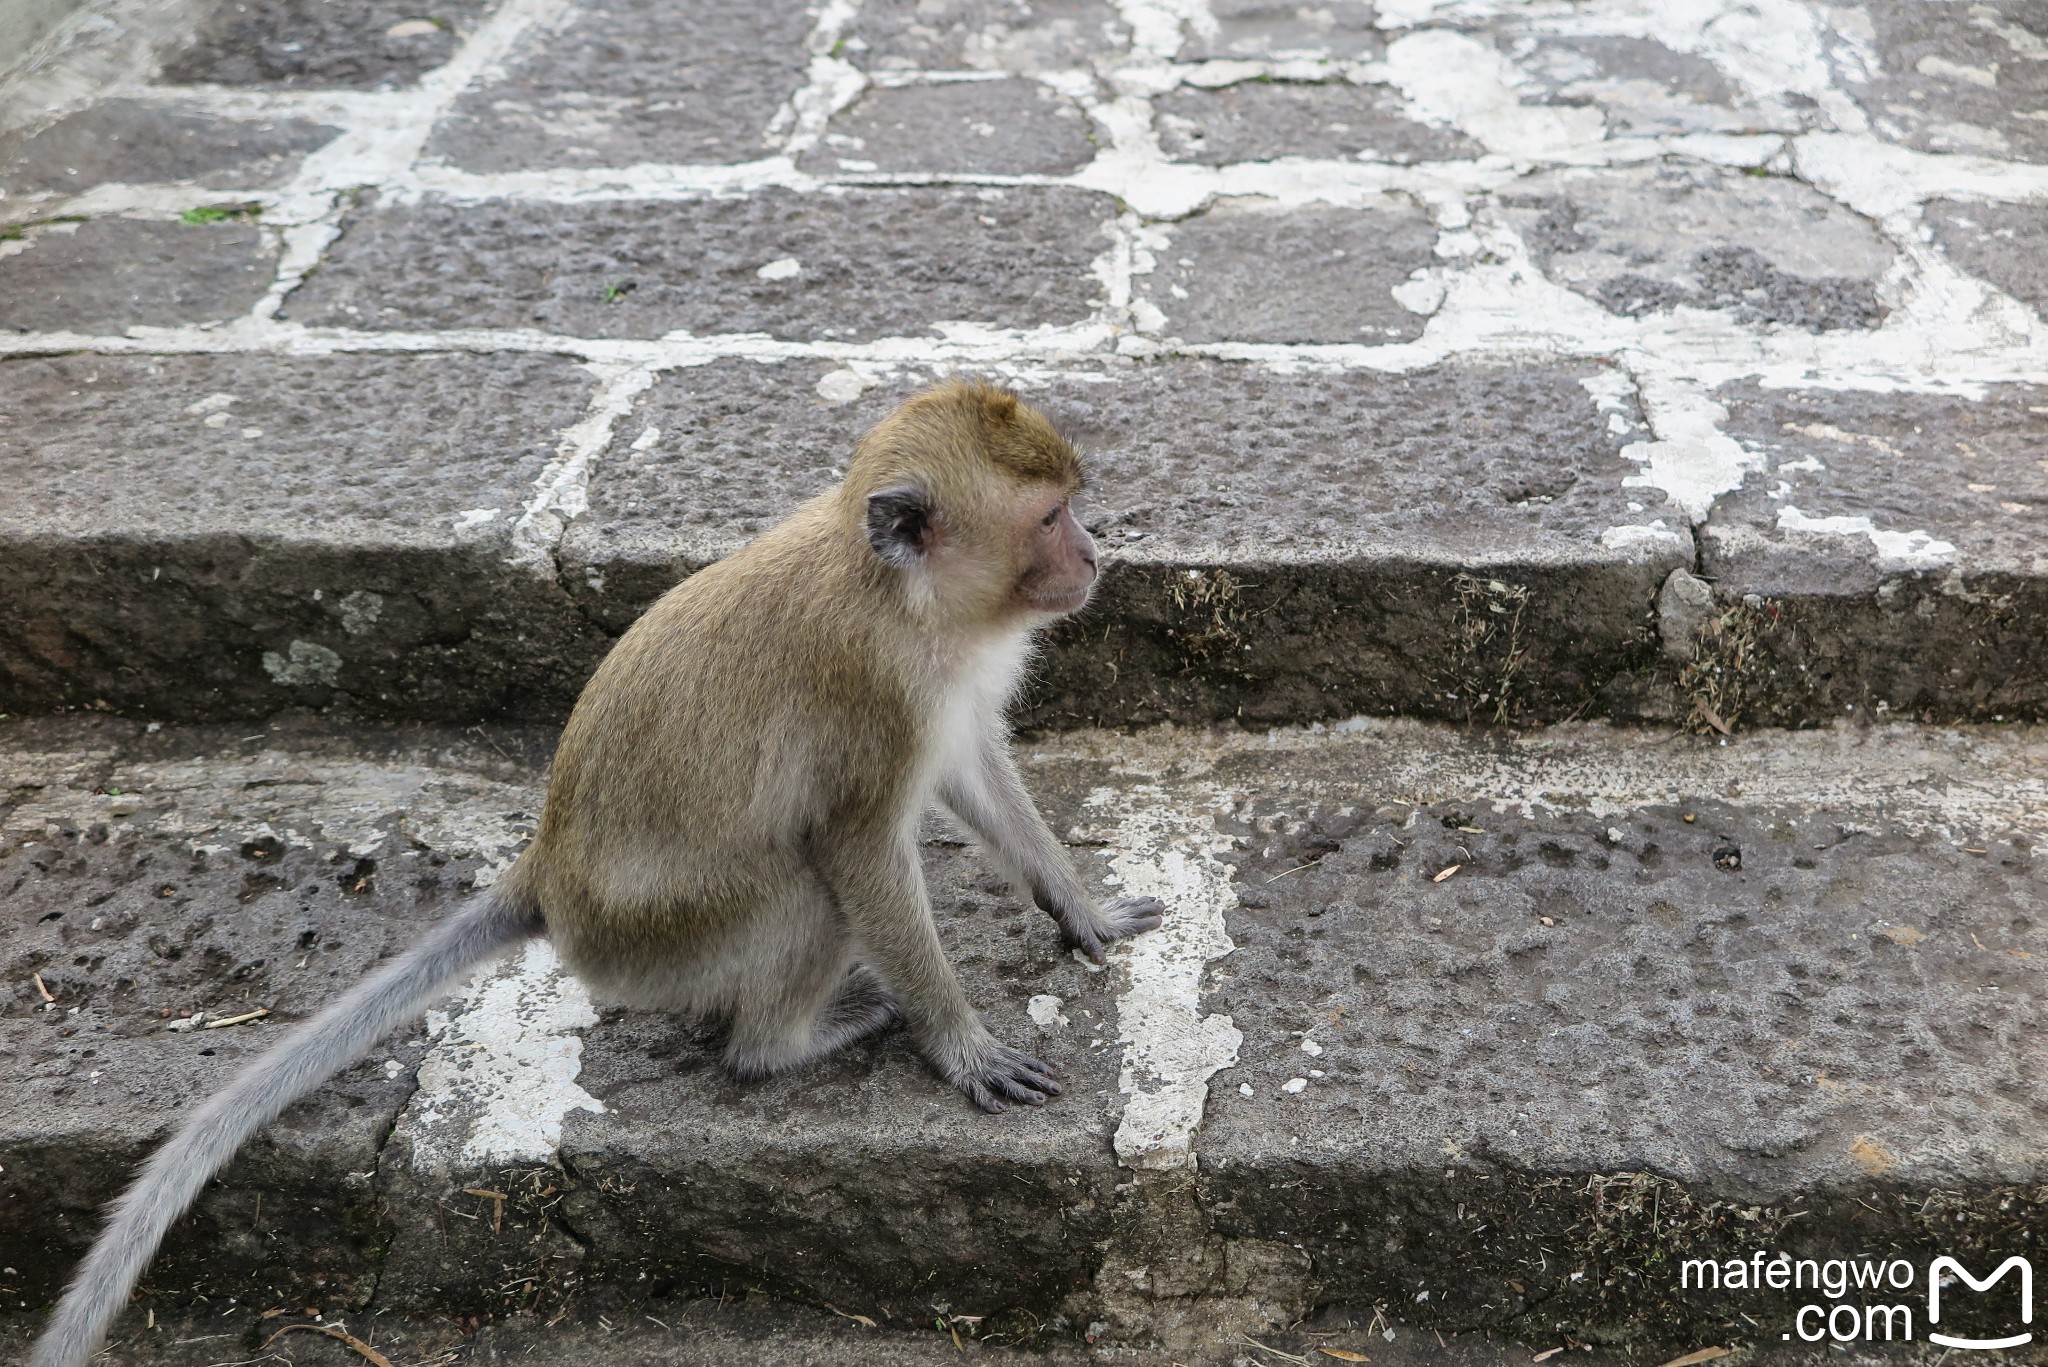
(1052, 516)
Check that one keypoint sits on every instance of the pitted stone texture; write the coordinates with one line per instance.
(1262, 120)
(312, 43)
(1276, 30)
(197, 869)
(1963, 470)
(139, 144)
(1275, 544)
(211, 871)
(1645, 239)
(112, 274)
(1001, 127)
(1644, 88)
(1942, 603)
(633, 81)
(1023, 36)
(868, 263)
(2003, 244)
(1791, 1000)
(227, 535)
(1243, 272)
(1960, 78)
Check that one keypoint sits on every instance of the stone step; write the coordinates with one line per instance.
(1493, 1033)
(363, 534)
(393, 366)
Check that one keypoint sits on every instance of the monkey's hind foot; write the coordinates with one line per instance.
(1119, 919)
(864, 1007)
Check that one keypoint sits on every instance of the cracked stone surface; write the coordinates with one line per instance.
(1654, 238)
(1795, 974)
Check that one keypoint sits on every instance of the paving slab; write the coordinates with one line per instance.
(1243, 272)
(1640, 85)
(109, 275)
(322, 43)
(1000, 127)
(1651, 238)
(132, 142)
(1891, 551)
(1949, 80)
(224, 557)
(1678, 999)
(631, 81)
(2002, 244)
(1273, 30)
(1263, 120)
(861, 264)
(1335, 542)
(985, 35)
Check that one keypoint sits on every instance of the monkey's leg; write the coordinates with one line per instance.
(875, 876)
(800, 994)
(988, 794)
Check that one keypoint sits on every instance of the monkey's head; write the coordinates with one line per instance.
(966, 493)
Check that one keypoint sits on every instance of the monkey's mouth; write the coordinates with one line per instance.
(1071, 601)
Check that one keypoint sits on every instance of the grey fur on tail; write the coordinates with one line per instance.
(313, 1052)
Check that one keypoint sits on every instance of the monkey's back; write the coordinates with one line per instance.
(684, 792)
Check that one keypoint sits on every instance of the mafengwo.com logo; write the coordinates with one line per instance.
(1869, 1300)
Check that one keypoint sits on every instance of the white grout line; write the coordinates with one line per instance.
(562, 490)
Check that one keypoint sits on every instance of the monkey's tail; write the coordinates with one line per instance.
(340, 1034)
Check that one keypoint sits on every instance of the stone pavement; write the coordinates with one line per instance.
(366, 366)
(391, 355)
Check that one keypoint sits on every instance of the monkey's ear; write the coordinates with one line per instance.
(900, 525)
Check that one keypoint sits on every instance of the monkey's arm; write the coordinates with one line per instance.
(988, 794)
(878, 883)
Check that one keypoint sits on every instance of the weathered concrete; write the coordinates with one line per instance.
(1261, 120)
(1958, 81)
(985, 35)
(224, 560)
(358, 43)
(1007, 127)
(630, 81)
(1612, 1037)
(1244, 271)
(1276, 29)
(1647, 239)
(865, 264)
(1890, 555)
(113, 274)
(127, 141)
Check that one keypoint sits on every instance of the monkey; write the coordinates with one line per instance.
(732, 818)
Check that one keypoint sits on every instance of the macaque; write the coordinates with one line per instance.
(732, 819)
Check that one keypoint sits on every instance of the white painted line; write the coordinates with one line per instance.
(1171, 1048)
(501, 1077)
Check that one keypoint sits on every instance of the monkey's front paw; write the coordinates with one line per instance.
(1120, 917)
(1002, 1075)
